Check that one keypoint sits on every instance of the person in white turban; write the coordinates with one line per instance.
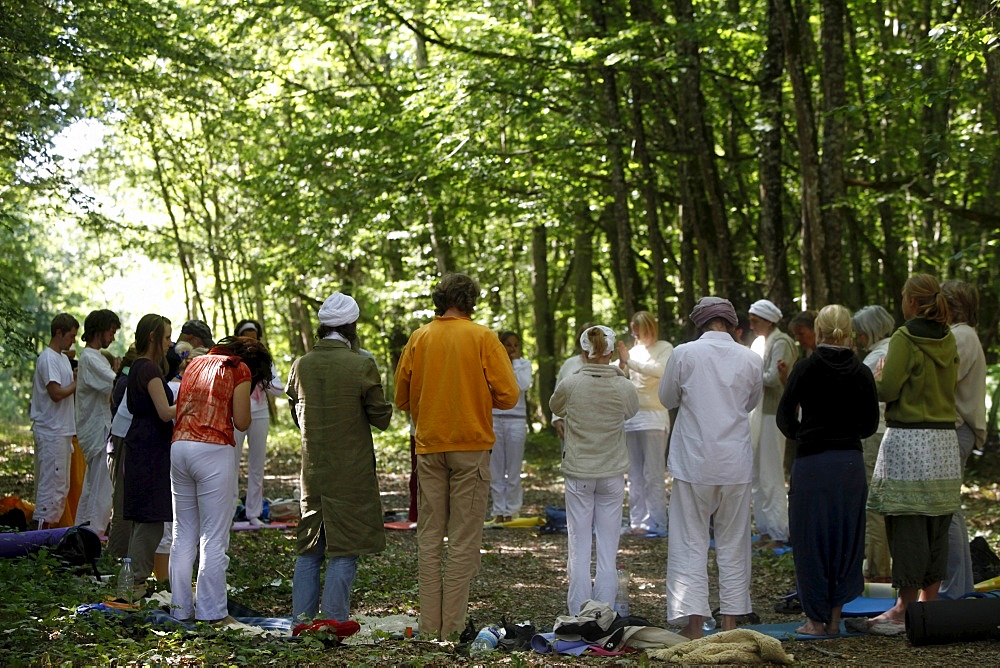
(336, 396)
(770, 498)
(339, 309)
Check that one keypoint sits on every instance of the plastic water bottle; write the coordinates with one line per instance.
(708, 624)
(487, 640)
(621, 597)
(126, 581)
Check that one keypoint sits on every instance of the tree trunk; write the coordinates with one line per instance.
(544, 320)
(772, 218)
(693, 118)
(833, 189)
(614, 137)
(797, 48)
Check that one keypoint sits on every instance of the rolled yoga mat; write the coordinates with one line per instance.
(942, 622)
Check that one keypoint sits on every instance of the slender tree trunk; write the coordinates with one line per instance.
(583, 270)
(796, 48)
(693, 118)
(772, 217)
(614, 137)
(544, 323)
(833, 189)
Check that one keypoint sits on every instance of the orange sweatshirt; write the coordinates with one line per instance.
(451, 376)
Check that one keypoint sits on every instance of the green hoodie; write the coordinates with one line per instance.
(919, 376)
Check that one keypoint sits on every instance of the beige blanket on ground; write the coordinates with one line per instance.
(740, 646)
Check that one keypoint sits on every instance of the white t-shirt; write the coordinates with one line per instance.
(56, 418)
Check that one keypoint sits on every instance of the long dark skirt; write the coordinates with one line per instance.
(826, 518)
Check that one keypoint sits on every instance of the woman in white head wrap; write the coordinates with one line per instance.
(595, 401)
(770, 500)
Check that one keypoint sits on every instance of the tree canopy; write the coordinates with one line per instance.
(583, 159)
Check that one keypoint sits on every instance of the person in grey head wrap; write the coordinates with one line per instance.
(710, 385)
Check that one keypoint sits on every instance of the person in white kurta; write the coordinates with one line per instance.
(256, 435)
(770, 497)
(95, 379)
(53, 392)
(511, 429)
(595, 402)
(712, 383)
(646, 432)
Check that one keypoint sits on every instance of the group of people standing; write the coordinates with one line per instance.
(871, 438)
(874, 437)
(163, 411)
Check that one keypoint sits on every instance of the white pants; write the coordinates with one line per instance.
(505, 465)
(256, 437)
(647, 490)
(97, 494)
(691, 509)
(770, 498)
(53, 457)
(201, 479)
(593, 508)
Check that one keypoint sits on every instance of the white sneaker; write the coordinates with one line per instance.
(256, 522)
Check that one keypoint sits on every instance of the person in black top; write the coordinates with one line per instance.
(838, 401)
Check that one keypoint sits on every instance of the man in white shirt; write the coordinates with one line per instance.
(712, 383)
(53, 421)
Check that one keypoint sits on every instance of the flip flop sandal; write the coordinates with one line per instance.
(789, 604)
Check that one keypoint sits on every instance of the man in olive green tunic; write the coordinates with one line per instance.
(336, 398)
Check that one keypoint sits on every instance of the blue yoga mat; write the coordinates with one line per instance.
(863, 606)
(786, 631)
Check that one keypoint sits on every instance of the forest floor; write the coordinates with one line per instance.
(522, 579)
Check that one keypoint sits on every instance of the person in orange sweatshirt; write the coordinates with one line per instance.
(451, 376)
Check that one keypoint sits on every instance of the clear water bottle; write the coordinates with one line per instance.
(621, 597)
(708, 624)
(487, 640)
(126, 582)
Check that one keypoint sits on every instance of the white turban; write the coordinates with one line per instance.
(764, 308)
(339, 309)
(609, 335)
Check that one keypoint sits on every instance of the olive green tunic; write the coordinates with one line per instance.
(336, 397)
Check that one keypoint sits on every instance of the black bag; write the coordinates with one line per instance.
(79, 548)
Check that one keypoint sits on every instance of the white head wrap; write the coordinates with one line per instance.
(339, 309)
(764, 308)
(609, 335)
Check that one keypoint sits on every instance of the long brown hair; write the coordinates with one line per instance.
(150, 328)
(931, 303)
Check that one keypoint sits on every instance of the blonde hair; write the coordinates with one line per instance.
(833, 325)
(931, 303)
(644, 323)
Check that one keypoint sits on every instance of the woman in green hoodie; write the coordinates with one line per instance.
(918, 475)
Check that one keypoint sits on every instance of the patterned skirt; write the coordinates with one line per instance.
(918, 472)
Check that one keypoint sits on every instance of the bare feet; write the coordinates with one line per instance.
(814, 628)
(693, 630)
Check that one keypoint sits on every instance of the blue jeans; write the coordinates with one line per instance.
(340, 572)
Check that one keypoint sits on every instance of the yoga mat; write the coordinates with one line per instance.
(246, 526)
(519, 523)
(867, 606)
(786, 631)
